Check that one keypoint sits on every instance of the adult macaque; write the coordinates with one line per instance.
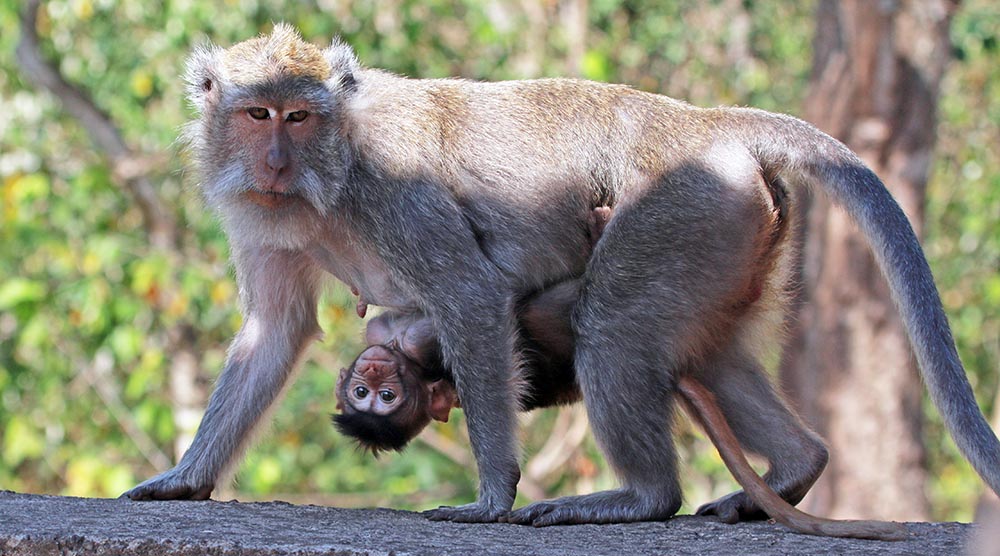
(451, 197)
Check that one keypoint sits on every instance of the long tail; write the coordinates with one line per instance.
(706, 410)
(799, 150)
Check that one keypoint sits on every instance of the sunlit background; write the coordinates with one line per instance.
(112, 332)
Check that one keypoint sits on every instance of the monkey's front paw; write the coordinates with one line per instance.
(170, 486)
(733, 508)
(476, 512)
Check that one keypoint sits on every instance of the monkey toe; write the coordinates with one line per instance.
(725, 512)
(562, 515)
(529, 514)
(733, 508)
(469, 513)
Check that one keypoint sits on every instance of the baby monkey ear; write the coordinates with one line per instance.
(339, 389)
(442, 398)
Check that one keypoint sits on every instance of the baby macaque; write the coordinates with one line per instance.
(399, 382)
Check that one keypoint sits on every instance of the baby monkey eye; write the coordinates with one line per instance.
(360, 392)
(297, 116)
(387, 396)
(258, 113)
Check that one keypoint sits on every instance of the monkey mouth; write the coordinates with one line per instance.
(270, 199)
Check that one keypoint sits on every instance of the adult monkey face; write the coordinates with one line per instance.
(275, 134)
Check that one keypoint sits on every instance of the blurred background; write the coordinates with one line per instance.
(117, 301)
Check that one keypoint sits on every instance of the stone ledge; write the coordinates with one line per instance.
(33, 524)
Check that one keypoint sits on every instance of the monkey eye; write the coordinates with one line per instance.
(258, 113)
(360, 392)
(387, 396)
(297, 116)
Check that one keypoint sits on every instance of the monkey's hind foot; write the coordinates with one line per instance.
(169, 486)
(477, 512)
(613, 506)
(732, 508)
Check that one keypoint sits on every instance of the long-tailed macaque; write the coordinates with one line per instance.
(453, 197)
(399, 383)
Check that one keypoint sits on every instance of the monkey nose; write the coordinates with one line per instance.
(276, 160)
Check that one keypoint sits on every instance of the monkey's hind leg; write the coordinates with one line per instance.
(658, 287)
(629, 404)
(765, 426)
(703, 406)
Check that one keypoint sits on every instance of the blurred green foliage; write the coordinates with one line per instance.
(82, 300)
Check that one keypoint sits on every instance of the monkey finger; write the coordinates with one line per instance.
(176, 492)
(202, 493)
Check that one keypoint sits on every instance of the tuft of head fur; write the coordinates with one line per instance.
(283, 53)
(375, 433)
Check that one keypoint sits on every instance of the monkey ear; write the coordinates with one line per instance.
(344, 66)
(204, 87)
(443, 398)
(344, 373)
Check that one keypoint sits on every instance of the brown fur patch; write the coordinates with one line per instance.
(774, 233)
(283, 53)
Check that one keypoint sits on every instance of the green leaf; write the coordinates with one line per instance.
(20, 290)
(21, 441)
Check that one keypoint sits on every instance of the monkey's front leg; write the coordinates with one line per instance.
(481, 359)
(425, 240)
(279, 295)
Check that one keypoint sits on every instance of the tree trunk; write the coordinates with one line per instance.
(877, 68)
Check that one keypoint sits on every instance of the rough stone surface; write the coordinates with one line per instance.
(32, 524)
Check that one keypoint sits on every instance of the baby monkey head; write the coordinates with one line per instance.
(385, 399)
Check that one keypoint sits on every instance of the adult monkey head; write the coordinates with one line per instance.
(267, 145)
(452, 197)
